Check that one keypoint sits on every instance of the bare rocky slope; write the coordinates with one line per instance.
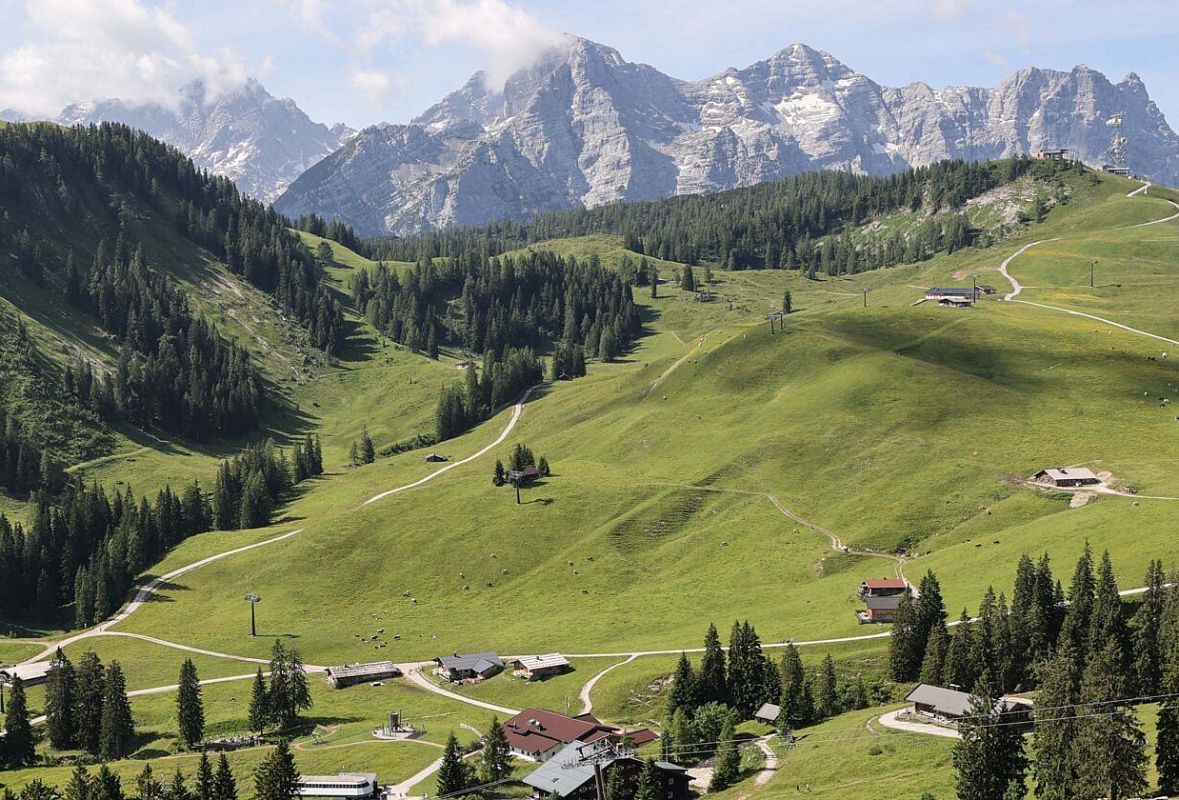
(583, 126)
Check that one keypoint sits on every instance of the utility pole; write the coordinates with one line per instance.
(253, 600)
(865, 297)
(3, 683)
(516, 483)
(1092, 263)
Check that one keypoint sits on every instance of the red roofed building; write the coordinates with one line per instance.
(883, 587)
(537, 735)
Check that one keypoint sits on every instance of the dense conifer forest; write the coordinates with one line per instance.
(84, 548)
(801, 223)
(55, 180)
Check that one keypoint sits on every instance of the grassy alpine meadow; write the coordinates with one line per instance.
(896, 426)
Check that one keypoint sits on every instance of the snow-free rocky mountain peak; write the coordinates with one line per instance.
(582, 126)
(259, 141)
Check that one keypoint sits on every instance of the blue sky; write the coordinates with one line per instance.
(367, 61)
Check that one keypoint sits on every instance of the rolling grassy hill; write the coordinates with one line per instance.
(896, 426)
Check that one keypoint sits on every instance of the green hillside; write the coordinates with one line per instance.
(698, 478)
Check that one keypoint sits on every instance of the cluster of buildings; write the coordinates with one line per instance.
(957, 297)
(881, 598)
(537, 735)
(459, 667)
(567, 750)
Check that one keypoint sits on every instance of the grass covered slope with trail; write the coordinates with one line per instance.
(897, 426)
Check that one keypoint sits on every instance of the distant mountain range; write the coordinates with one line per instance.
(260, 142)
(583, 126)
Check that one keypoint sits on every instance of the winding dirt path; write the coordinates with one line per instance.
(517, 412)
(1016, 286)
(145, 593)
(587, 703)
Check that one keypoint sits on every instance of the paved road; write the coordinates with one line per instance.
(517, 412)
(890, 720)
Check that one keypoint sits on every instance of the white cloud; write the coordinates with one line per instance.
(1019, 27)
(509, 37)
(85, 49)
(997, 59)
(373, 84)
(950, 9)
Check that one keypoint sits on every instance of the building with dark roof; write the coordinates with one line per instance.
(569, 774)
(32, 674)
(352, 674)
(1070, 476)
(467, 666)
(536, 734)
(950, 705)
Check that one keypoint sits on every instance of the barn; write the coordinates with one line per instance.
(1067, 477)
(352, 674)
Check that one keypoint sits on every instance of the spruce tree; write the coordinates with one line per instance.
(225, 785)
(1107, 623)
(146, 785)
(795, 705)
(1148, 625)
(712, 683)
(688, 280)
(682, 745)
(453, 775)
(367, 451)
(106, 785)
(118, 726)
(957, 670)
(650, 784)
(904, 653)
(259, 712)
(18, 747)
(654, 281)
(190, 710)
(177, 788)
(1110, 746)
(256, 505)
(80, 786)
(826, 699)
(88, 699)
(1167, 734)
(683, 688)
(787, 303)
(495, 763)
(60, 702)
(930, 612)
(206, 788)
(727, 770)
(989, 756)
(1075, 628)
(277, 777)
(934, 663)
(1055, 765)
